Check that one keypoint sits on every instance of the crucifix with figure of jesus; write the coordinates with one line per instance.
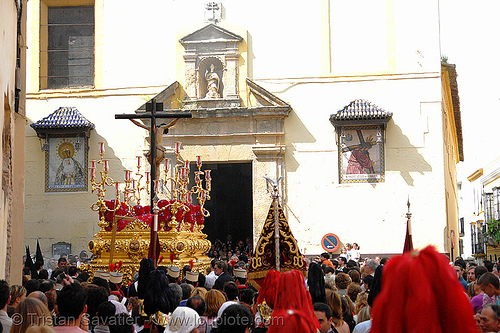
(154, 111)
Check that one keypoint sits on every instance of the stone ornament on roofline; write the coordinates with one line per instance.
(213, 12)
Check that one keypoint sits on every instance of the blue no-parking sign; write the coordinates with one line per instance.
(330, 242)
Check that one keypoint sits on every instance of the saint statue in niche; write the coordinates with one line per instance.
(70, 171)
(212, 83)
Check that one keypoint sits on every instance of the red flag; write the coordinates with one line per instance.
(408, 240)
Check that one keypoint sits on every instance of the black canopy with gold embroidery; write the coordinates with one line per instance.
(264, 256)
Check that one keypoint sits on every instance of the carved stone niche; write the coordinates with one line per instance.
(211, 67)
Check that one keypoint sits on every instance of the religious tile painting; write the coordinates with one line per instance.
(65, 165)
(361, 155)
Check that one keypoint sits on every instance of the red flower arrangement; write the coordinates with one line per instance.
(115, 267)
(192, 216)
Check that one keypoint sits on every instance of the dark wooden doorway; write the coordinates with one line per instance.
(231, 203)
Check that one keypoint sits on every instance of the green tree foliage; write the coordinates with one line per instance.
(494, 229)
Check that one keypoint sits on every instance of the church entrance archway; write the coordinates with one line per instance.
(231, 203)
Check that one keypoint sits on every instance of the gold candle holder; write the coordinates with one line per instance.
(129, 239)
(105, 181)
(181, 195)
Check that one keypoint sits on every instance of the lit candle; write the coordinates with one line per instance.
(166, 164)
(133, 183)
(93, 164)
(106, 165)
(127, 175)
(117, 189)
(147, 176)
(138, 161)
(102, 147)
(198, 161)
(177, 147)
(207, 175)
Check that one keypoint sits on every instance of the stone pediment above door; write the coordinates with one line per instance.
(262, 119)
(261, 97)
(261, 103)
(209, 34)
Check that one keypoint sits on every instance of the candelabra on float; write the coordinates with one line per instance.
(125, 224)
(100, 206)
(181, 197)
(133, 189)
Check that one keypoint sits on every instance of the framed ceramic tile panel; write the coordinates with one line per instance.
(66, 164)
(361, 154)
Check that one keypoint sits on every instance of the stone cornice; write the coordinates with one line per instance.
(269, 151)
(260, 111)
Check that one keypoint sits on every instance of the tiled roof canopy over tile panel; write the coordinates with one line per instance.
(360, 110)
(64, 117)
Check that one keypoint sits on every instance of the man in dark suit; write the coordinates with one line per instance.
(221, 272)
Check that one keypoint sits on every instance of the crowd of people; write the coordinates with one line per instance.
(351, 252)
(416, 292)
(229, 249)
(481, 282)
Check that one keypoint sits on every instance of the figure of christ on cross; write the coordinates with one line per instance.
(160, 149)
(154, 111)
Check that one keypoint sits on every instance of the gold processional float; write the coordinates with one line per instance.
(124, 238)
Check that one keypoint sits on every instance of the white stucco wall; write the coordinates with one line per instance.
(370, 214)
(286, 55)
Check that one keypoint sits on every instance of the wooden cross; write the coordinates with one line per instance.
(154, 111)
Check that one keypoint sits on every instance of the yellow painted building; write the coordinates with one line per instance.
(283, 70)
(484, 208)
(12, 121)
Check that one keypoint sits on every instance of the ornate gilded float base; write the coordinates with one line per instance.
(132, 243)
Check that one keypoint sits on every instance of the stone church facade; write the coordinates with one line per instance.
(353, 121)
